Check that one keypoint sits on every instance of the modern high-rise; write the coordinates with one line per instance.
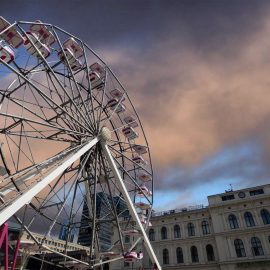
(63, 235)
(103, 202)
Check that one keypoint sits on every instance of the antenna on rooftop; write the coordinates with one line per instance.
(230, 189)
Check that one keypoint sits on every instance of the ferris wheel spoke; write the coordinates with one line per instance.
(89, 87)
(53, 103)
(41, 124)
(137, 187)
(74, 80)
(45, 96)
(136, 165)
(11, 209)
(71, 101)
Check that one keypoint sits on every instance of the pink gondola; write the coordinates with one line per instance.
(133, 256)
(114, 104)
(142, 205)
(139, 160)
(144, 177)
(116, 93)
(74, 63)
(42, 49)
(73, 52)
(97, 76)
(41, 30)
(11, 36)
(6, 53)
(140, 149)
(130, 133)
(131, 121)
(144, 191)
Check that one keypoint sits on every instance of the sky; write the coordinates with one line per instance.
(198, 75)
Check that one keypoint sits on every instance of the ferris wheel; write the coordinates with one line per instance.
(73, 153)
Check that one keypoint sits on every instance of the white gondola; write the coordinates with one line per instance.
(133, 256)
(41, 30)
(73, 52)
(140, 149)
(6, 53)
(132, 232)
(144, 191)
(142, 205)
(131, 121)
(144, 177)
(74, 63)
(139, 160)
(144, 222)
(130, 133)
(114, 104)
(42, 49)
(97, 76)
(116, 93)
(12, 36)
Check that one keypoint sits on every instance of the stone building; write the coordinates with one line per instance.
(231, 233)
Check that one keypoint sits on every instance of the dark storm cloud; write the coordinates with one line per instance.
(196, 70)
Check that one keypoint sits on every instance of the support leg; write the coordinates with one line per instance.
(130, 205)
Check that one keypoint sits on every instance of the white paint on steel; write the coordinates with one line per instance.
(27, 196)
(129, 203)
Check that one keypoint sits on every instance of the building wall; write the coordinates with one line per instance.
(221, 235)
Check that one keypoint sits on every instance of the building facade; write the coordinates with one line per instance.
(231, 233)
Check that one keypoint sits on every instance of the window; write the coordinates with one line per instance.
(176, 230)
(127, 239)
(256, 246)
(265, 216)
(239, 248)
(249, 219)
(256, 192)
(179, 255)
(163, 233)
(165, 256)
(126, 264)
(210, 253)
(191, 229)
(227, 197)
(233, 222)
(152, 235)
(205, 227)
(194, 254)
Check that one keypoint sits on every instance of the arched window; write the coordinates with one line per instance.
(205, 227)
(233, 222)
(191, 229)
(165, 256)
(176, 230)
(239, 248)
(152, 235)
(210, 253)
(249, 219)
(265, 216)
(256, 246)
(163, 233)
(179, 255)
(194, 254)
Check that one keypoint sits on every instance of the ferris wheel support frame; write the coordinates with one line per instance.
(26, 197)
(129, 203)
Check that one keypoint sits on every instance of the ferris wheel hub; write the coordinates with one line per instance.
(105, 134)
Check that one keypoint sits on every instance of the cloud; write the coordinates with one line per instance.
(195, 104)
